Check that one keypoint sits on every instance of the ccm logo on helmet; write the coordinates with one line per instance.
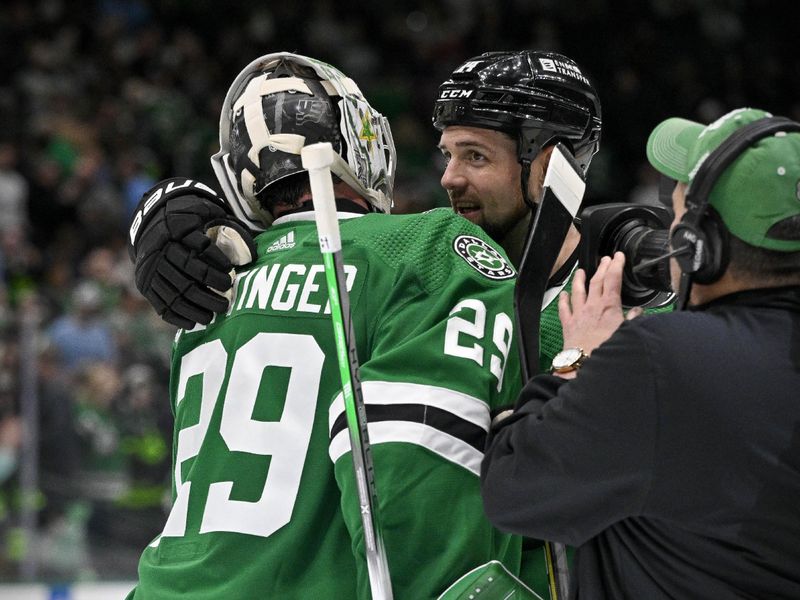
(456, 93)
(159, 194)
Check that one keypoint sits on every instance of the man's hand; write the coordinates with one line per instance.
(589, 319)
(184, 243)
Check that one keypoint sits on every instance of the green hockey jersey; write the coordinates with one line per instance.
(265, 504)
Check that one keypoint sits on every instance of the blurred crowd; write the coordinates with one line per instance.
(98, 100)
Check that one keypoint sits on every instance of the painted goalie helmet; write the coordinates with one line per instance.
(538, 98)
(282, 102)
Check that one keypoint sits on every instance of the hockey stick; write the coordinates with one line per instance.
(317, 158)
(564, 186)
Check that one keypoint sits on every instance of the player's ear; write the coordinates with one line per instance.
(543, 158)
(538, 170)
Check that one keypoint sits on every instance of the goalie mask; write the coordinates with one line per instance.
(539, 98)
(282, 102)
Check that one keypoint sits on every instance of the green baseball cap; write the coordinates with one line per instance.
(758, 190)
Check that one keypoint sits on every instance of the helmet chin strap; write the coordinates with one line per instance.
(525, 176)
(529, 149)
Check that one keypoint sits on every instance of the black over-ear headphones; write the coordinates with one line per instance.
(701, 230)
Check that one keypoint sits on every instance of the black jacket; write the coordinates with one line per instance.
(672, 462)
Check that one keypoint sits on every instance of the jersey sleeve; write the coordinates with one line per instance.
(441, 359)
(551, 337)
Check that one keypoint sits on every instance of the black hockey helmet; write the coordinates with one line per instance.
(282, 102)
(539, 98)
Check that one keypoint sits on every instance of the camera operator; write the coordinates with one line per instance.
(672, 459)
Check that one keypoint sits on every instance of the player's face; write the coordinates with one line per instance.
(482, 178)
(679, 206)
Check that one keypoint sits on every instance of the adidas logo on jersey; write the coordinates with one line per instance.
(282, 243)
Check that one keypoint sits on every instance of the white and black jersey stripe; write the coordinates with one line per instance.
(449, 423)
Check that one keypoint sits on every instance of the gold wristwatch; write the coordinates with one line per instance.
(569, 359)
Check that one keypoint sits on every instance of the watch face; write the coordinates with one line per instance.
(567, 357)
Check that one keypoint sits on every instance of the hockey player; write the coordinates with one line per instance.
(501, 114)
(265, 504)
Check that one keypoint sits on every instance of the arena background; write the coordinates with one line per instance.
(98, 100)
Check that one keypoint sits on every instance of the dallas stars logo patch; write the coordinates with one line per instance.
(482, 257)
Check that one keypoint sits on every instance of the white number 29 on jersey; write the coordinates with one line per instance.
(285, 440)
(466, 329)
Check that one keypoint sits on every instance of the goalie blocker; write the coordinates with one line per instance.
(491, 581)
(184, 243)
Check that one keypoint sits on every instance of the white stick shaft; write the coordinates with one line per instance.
(318, 158)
